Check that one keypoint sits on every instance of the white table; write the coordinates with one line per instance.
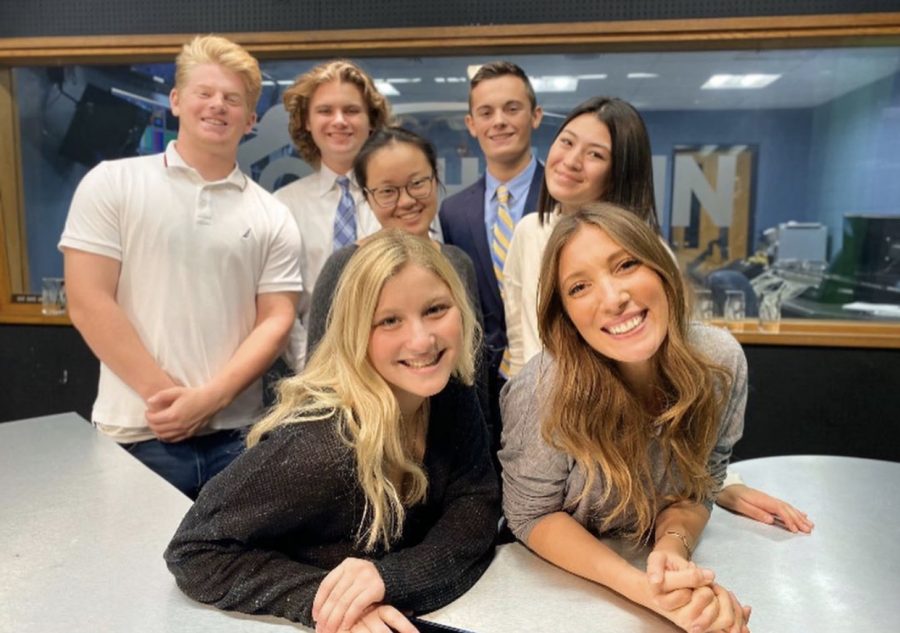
(845, 576)
(83, 526)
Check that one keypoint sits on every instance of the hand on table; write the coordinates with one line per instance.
(711, 609)
(346, 595)
(382, 619)
(672, 579)
(177, 413)
(764, 508)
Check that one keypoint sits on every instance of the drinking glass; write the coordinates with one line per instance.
(770, 312)
(53, 296)
(735, 310)
(704, 308)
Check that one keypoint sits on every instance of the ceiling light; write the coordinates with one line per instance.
(554, 83)
(642, 75)
(472, 69)
(739, 82)
(595, 76)
(386, 89)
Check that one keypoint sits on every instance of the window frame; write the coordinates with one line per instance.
(832, 30)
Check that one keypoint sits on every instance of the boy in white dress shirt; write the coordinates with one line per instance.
(333, 109)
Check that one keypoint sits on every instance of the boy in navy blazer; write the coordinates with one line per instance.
(503, 112)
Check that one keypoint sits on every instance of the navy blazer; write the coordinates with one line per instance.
(462, 222)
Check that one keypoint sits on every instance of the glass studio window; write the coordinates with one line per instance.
(780, 166)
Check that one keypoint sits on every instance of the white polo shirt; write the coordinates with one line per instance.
(194, 255)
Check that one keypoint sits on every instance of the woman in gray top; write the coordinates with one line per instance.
(625, 425)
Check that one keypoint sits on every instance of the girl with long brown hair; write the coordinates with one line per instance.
(624, 425)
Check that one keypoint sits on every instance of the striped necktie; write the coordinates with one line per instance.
(345, 218)
(501, 234)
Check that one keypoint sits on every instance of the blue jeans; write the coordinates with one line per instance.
(189, 464)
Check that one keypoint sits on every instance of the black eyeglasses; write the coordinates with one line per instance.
(388, 195)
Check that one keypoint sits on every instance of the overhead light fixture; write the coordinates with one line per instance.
(386, 89)
(594, 76)
(554, 83)
(749, 81)
(642, 75)
(404, 80)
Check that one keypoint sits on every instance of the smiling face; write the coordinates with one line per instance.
(617, 303)
(416, 336)
(579, 162)
(398, 166)
(212, 110)
(339, 123)
(501, 119)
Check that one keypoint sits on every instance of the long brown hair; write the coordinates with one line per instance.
(597, 419)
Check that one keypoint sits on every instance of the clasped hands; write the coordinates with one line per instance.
(176, 413)
(349, 601)
(688, 596)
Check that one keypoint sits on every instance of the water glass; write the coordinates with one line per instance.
(735, 310)
(770, 312)
(704, 308)
(53, 296)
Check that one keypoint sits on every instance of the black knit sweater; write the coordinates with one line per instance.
(265, 532)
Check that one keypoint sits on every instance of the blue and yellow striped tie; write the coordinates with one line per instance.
(501, 234)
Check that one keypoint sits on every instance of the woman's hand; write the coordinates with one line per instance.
(383, 619)
(345, 594)
(672, 579)
(764, 508)
(711, 609)
(733, 616)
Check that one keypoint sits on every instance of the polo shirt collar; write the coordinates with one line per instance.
(173, 160)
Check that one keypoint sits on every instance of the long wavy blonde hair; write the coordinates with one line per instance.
(597, 419)
(340, 380)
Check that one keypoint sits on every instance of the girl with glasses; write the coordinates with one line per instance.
(397, 170)
(368, 492)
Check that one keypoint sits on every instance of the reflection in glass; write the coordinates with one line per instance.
(733, 161)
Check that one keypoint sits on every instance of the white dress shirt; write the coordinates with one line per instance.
(313, 201)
